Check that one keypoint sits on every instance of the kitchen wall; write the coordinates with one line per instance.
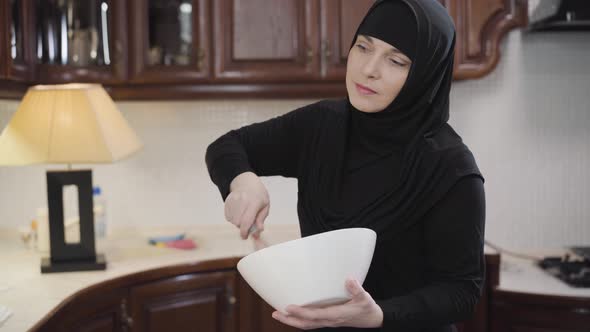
(528, 124)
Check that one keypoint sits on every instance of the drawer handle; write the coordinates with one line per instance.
(125, 319)
(581, 311)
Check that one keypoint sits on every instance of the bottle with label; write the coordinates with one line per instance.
(100, 221)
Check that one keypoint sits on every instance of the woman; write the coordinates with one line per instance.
(383, 158)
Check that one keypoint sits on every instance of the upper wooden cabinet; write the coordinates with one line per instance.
(480, 25)
(169, 41)
(16, 67)
(80, 41)
(261, 40)
(158, 49)
(339, 21)
(288, 41)
(18, 51)
(4, 23)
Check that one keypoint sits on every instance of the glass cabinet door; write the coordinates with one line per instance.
(170, 33)
(3, 43)
(16, 47)
(80, 40)
(170, 40)
(17, 54)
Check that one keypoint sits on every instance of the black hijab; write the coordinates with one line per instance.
(385, 170)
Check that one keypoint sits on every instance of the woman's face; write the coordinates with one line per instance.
(375, 74)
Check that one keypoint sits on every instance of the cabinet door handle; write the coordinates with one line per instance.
(581, 311)
(326, 54)
(326, 51)
(118, 53)
(309, 55)
(230, 303)
(126, 321)
(200, 58)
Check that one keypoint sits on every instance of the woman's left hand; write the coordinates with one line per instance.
(361, 312)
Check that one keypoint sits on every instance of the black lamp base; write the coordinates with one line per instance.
(80, 256)
(47, 266)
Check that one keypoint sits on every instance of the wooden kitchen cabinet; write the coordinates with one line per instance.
(15, 72)
(195, 297)
(97, 311)
(199, 296)
(16, 44)
(276, 44)
(339, 21)
(4, 24)
(313, 46)
(525, 312)
(170, 41)
(158, 49)
(80, 41)
(203, 302)
(480, 26)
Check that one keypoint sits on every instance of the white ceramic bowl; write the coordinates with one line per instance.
(310, 271)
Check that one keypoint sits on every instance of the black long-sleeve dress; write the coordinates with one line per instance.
(426, 276)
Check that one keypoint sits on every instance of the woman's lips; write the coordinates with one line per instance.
(364, 90)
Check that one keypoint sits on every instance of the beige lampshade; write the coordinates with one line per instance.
(66, 124)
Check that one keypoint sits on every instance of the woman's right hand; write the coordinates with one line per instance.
(247, 204)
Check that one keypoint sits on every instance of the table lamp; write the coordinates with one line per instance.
(67, 124)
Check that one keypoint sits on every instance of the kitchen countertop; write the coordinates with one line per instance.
(30, 295)
(524, 276)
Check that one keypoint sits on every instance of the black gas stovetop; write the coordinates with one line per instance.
(575, 271)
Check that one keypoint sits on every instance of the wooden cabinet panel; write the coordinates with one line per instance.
(255, 313)
(276, 44)
(100, 324)
(540, 329)
(93, 312)
(166, 46)
(521, 312)
(203, 302)
(257, 35)
(339, 21)
(480, 26)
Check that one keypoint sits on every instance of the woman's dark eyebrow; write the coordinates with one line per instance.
(392, 50)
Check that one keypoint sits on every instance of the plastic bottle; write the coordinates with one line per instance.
(100, 221)
(42, 230)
